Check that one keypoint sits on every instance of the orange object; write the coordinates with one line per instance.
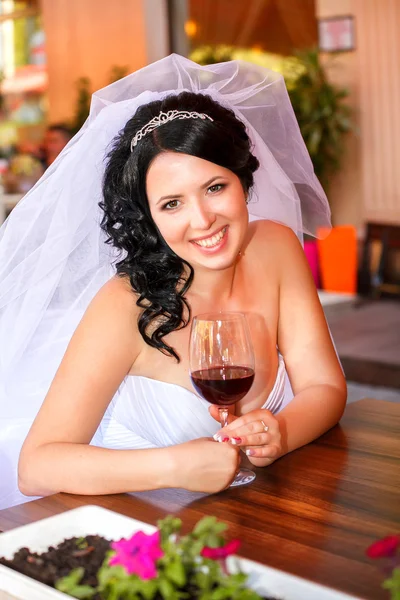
(337, 255)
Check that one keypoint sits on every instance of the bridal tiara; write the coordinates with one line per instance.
(162, 118)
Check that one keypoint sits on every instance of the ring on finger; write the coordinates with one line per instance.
(265, 427)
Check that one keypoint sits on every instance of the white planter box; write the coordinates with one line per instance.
(95, 520)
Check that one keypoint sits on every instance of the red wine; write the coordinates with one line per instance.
(223, 385)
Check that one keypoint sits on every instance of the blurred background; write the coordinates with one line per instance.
(340, 61)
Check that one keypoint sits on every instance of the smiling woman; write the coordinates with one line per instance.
(96, 297)
(200, 209)
(201, 225)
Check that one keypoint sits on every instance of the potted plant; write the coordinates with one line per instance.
(319, 105)
(164, 565)
(322, 114)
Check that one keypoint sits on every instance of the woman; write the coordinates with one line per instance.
(120, 414)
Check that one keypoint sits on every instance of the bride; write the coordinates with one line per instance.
(187, 191)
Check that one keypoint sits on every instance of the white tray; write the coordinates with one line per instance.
(91, 520)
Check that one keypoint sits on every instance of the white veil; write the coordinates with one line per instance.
(53, 258)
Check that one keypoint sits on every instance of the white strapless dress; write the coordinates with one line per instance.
(144, 413)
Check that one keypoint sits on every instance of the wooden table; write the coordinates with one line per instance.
(312, 513)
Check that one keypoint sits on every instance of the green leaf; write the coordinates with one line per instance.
(107, 575)
(202, 580)
(314, 140)
(220, 527)
(248, 595)
(208, 530)
(238, 578)
(221, 594)
(167, 590)
(70, 585)
(393, 584)
(191, 547)
(344, 123)
(342, 93)
(149, 589)
(82, 592)
(132, 586)
(70, 580)
(175, 572)
(81, 543)
(168, 526)
(204, 525)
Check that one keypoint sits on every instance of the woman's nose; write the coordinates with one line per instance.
(201, 218)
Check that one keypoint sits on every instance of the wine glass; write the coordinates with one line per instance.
(222, 365)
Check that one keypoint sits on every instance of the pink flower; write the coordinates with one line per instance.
(386, 547)
(218, 553)
(138, 554)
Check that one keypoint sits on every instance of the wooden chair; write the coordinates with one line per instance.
(377, 275)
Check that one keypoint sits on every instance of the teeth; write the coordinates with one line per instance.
(212, 241)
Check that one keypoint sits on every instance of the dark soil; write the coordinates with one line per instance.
(88, 552)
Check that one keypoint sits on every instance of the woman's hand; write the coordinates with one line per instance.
(256, 433)
(204, 465)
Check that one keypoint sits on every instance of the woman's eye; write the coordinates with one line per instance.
(171, 205)
(217, 187)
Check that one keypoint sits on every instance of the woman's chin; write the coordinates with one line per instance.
(216, 262)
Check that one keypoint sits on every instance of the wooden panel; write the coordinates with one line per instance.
(368, 186)
(378, 23)
(85, 39)
(344, 192)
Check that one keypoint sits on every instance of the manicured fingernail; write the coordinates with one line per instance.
(225, 439)
(217, 437)
(250, 452)
(236, 440)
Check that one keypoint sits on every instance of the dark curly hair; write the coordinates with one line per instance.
(159, 277)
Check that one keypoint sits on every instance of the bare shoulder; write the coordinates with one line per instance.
(111, 317)
(272, 231)
(115, 298)
(118, 289)
(271, 240)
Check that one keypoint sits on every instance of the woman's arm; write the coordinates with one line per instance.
(56, 456)
(311, 362)
(304, 340)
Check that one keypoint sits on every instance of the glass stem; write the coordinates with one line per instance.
(223, 416)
